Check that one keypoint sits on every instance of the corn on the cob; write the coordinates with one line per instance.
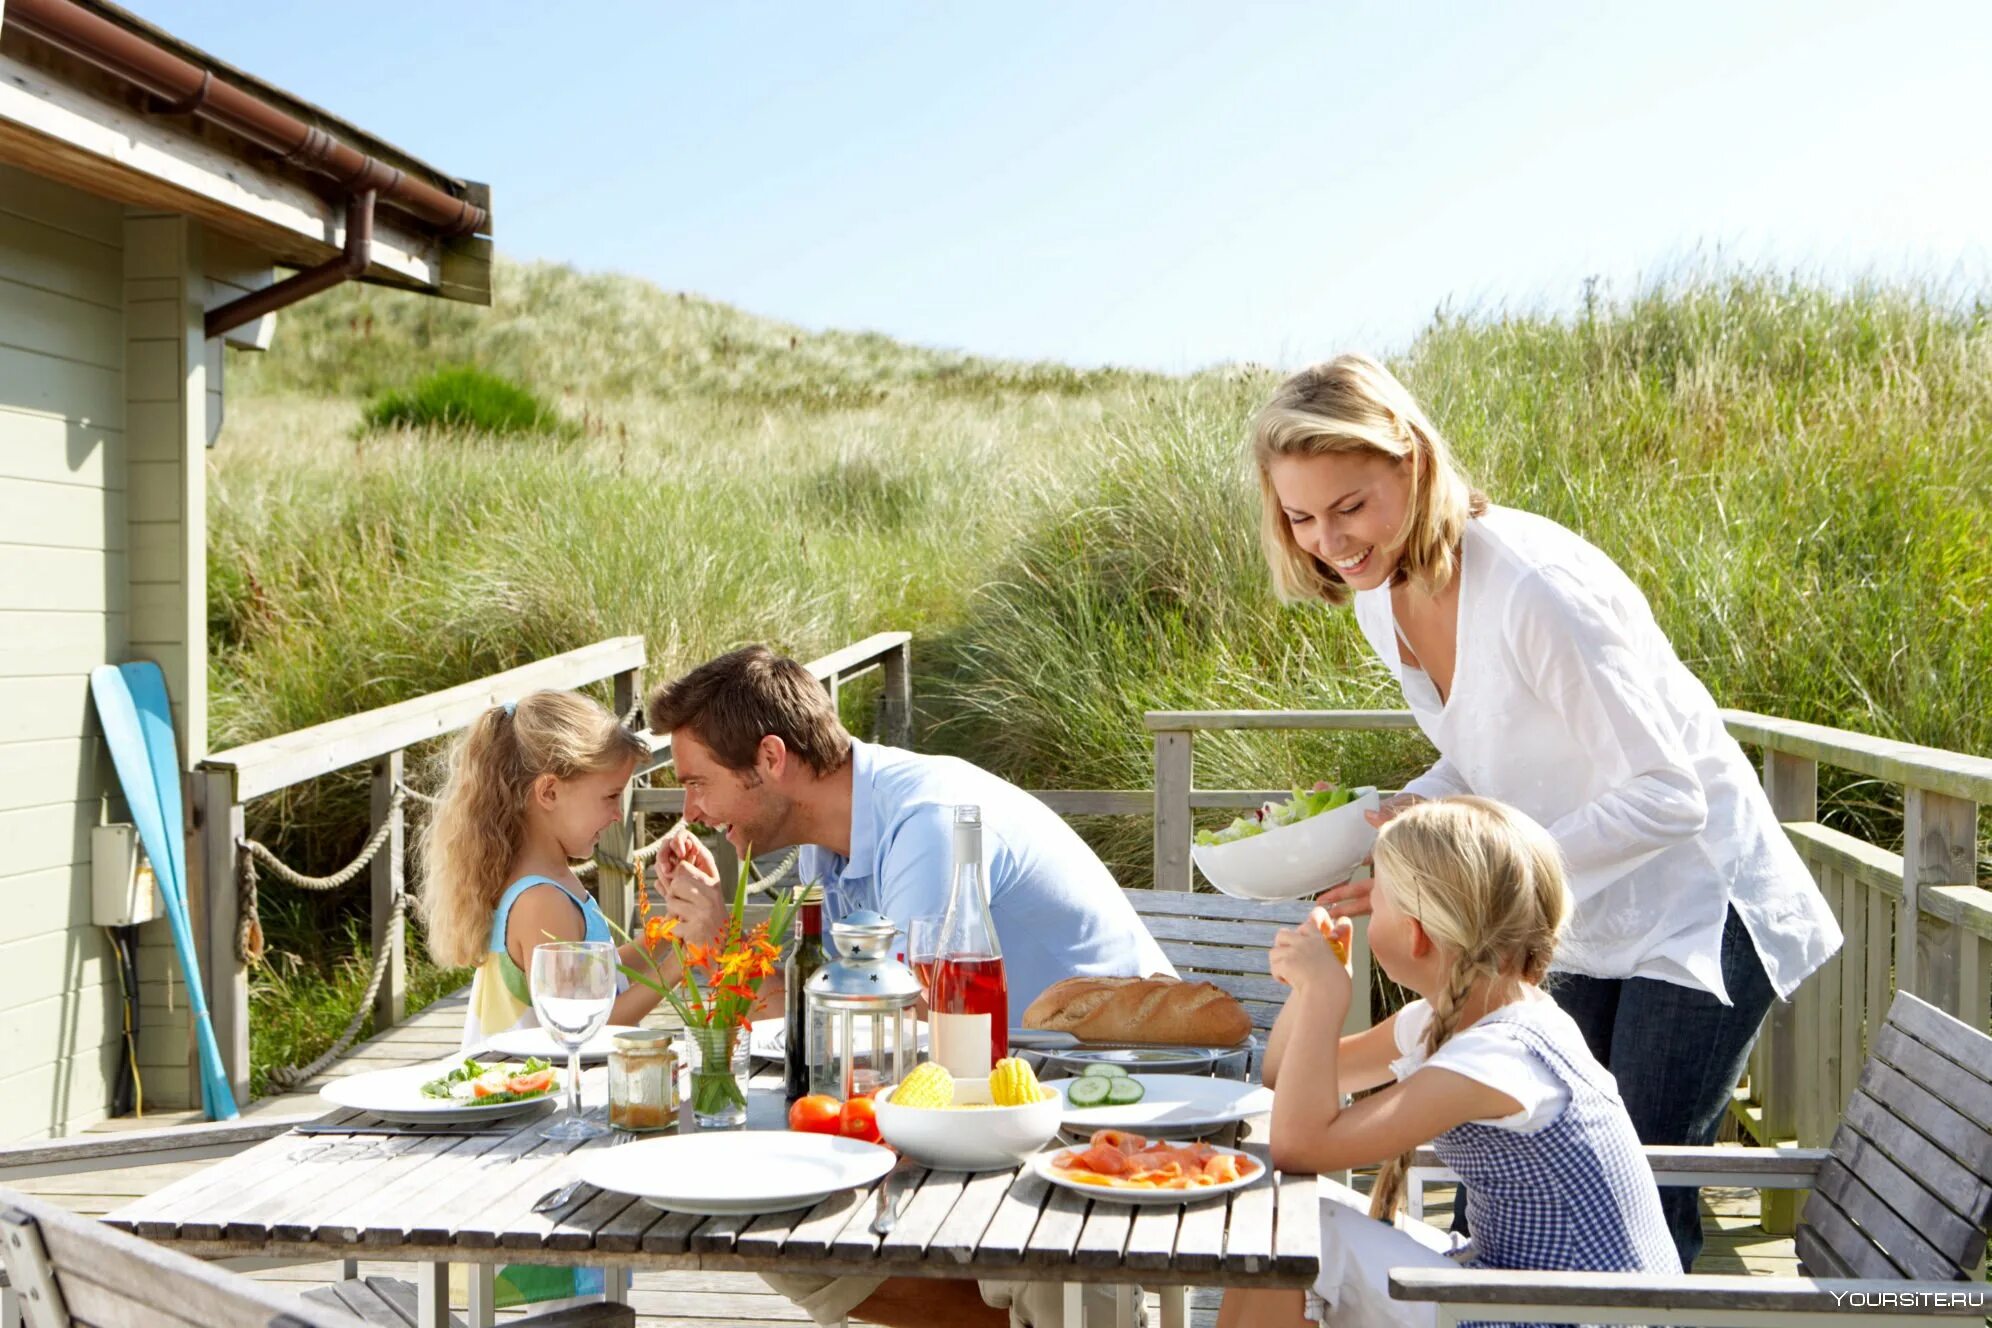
(1011, 1084)
(928, 1086)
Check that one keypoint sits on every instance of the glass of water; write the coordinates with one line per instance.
(574, 988)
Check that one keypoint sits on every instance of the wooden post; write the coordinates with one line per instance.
(218, 824)
(895, 700)
(1792, 784)
(1939, 847)
(1173, 774)
(389, 880)
(614, 885)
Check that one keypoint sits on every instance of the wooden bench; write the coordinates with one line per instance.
(63, 1269)
(1893, 1231)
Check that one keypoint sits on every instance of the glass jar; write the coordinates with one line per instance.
(718, 1056)
(643, 1081)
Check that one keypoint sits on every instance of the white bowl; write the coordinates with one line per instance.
(1292, 861)
(979, 1139)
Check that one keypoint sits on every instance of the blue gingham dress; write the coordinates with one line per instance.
(1574, 1196)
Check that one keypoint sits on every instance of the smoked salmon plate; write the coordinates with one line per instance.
(1124, 1162)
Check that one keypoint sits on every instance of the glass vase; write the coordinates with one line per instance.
(718, 1064)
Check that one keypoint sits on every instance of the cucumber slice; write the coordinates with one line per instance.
(1123, 1091)
(1103, 1070)
(1088, 1090)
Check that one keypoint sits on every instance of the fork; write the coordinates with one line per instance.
(556, 1198)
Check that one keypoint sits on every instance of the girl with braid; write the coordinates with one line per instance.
(1467, 908)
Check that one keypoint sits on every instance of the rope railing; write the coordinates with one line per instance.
(249, 944)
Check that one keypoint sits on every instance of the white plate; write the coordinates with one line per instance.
(1042, 1165)
(1170, 1104)
(519, 1043)
(396, 1095)
(768, 1038)
(721, 1173)
(1296, 860)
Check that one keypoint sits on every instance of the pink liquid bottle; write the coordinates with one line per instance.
(970, 1003)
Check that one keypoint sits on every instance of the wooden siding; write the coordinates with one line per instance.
(64, 608)
(171, 377)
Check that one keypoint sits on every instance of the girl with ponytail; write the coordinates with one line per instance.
(1484, 1067)
(530, 786)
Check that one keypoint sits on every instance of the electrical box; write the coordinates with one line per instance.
(123, 889)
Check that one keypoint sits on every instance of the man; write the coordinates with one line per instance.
(764, 759)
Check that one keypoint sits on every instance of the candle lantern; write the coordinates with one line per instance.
(861, 1011)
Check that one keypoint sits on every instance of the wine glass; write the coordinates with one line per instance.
(923, 948)
(574, 988)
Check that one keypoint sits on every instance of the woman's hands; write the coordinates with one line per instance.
(688, 878)
(1303, 958)
(1353, 895)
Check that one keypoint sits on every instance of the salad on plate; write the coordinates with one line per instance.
(477, 1084)
(1323, 797)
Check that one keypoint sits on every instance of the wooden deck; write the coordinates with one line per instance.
(1736, 1241)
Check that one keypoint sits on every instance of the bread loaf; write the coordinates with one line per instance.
(1164, 1010)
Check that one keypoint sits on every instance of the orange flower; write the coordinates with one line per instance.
(658, 930)
(699, 956)
(733, 990)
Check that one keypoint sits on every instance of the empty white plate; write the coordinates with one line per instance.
(719, 1173)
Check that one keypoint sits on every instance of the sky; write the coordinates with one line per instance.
(1171, 185)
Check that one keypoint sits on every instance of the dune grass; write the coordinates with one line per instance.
(1800, 479)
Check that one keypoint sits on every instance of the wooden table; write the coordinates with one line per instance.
(467, 1198)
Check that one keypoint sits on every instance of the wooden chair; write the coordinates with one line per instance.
(1894, 1228)
(64, 1270)
(1221, 940)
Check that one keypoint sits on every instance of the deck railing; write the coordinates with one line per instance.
(379, 739)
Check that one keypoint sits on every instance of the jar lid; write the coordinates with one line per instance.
(641, 1039)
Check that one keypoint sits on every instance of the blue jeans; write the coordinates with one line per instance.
(1676, 1053)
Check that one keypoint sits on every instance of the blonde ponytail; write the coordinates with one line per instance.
(1486, 883)
(473, 835)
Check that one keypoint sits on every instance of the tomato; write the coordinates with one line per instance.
(537, 1082)
(859, 1120)
(816, 1114)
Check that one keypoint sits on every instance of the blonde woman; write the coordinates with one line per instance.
(1535, 667)
(532, 783)
(1469, 902)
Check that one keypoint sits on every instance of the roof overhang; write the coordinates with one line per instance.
(66, 118)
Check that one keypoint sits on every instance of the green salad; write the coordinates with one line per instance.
(1323, 797)
(482, 1085)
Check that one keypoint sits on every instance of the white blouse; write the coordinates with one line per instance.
(1569, 702)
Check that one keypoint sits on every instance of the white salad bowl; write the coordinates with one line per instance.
(969, 1137)
(1292, 861)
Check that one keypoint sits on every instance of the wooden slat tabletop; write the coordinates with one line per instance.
(469, 1198)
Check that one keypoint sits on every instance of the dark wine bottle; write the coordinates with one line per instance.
(804, 1043)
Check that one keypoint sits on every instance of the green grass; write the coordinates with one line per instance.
(1800, 479)
(464, 400)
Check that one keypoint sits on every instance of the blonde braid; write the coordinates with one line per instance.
(1388, 1195)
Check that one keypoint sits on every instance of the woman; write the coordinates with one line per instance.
(1535, 667)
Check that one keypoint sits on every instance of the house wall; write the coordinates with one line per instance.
(107, 389)
(168, 366)
(65, 607)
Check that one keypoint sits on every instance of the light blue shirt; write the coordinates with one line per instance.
(1059, 912)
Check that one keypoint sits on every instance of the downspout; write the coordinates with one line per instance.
(348, 265)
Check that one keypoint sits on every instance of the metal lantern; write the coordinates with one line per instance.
(861, 1011)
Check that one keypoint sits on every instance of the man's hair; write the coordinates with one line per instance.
(732, 702)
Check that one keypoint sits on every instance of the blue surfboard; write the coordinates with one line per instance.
(138, 728)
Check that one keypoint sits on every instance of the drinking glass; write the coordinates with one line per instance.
(923, 947)
(574, 988)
